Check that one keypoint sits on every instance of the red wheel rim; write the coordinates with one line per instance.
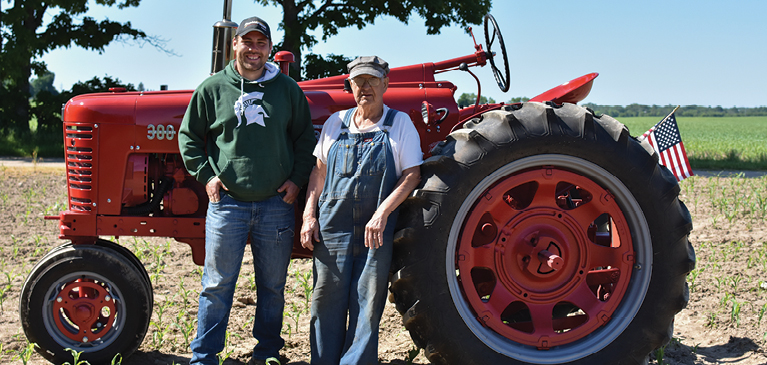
(545, 257)
(83, 311)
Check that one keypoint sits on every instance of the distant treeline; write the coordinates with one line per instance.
(639, 110)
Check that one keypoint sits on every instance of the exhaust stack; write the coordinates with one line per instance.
(223, 32)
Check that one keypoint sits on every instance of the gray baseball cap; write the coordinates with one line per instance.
(368, 65)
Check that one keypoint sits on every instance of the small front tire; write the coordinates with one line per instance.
(88, 298)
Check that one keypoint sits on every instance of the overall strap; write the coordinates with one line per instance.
(389, 121)
(348, 118)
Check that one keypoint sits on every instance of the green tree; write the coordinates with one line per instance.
(43, 83)
(470, 99)
(518, 99)
(315, 66)
(302, 16)
(26, 37)
(47, 106)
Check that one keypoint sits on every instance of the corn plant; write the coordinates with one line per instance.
(711, 319)
(226, 352)
(761, 313)
(76, 356)
(735, 312)
(186, 327)
(692, 276)
(659, 353)
(26, 353)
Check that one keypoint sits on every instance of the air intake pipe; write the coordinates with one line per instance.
(223, 32)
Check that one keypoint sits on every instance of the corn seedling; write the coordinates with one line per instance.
(185, 294)
(295, 314)
(76, 357)
(720, 282)
(305, 280)
(711, 319)
(186, 327)
(160, 310)
(761, 313)
(287, 329)
(735, 281)
(26, 353)
(735, 312)
(659, 353)
(158, 335)
(692, 276)
(226, 352)
(117, 360)
(252, 281)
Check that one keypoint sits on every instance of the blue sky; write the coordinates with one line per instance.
(650, 52)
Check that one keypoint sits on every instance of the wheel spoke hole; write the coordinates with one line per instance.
(570, 196)
(601, 232)
(521, 196)
(484, 282)
(67, 322)
(517, 316)
(567, 316)
(601, 281)
(486, 231)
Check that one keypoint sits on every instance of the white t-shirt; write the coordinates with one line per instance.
(404, 139)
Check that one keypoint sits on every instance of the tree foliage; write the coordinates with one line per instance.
(471, 98)
(640, 110)
(46, 108)
(302, 16)
(316, 67)
(43, 83)
(27, 35)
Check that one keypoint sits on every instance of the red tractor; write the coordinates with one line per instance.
(541, 233)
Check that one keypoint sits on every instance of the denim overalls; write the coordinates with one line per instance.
(347, 275)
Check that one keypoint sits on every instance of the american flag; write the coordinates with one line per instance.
(665, 139)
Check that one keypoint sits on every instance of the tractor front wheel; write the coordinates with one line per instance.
(87, 298)
(542, 234)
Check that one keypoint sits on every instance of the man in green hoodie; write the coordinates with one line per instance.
(247, 135)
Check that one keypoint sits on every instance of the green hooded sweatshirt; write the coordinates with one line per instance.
(253, 135)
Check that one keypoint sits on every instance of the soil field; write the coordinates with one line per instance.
(723, 323)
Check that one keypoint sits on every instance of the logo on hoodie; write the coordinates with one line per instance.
(247, 107)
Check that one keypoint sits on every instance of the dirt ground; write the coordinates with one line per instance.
(722, 323)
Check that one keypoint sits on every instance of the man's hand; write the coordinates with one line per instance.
(374, 230)
(291, 191)
(212, 188)
(310, 232)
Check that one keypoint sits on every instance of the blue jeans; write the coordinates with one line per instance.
(350, 279)
(270, 224)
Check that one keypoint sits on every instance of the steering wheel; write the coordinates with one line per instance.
(492, 32)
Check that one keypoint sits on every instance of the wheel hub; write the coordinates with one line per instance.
(83, 311)
(545, 257)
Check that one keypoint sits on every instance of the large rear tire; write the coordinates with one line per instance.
(89, 298)
(542, 234)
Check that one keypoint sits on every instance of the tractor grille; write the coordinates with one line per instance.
(80, 142)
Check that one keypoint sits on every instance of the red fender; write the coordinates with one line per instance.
(572, 91)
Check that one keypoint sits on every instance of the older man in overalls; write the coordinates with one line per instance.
(368, 162)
